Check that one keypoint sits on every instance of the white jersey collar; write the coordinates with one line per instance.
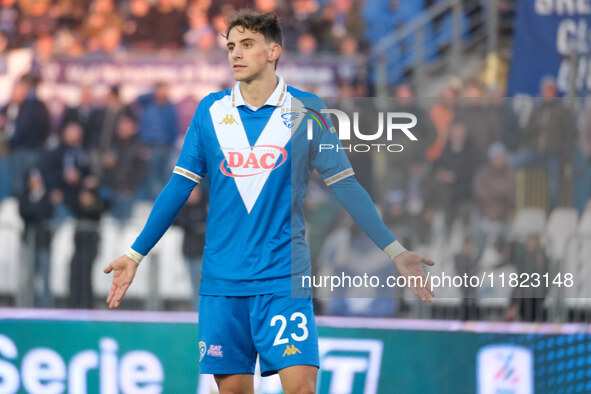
(276, 99)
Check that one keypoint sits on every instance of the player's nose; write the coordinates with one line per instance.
(237, 53)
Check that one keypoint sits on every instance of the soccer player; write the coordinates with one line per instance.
(242, 139)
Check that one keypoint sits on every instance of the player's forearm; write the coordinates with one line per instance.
(165, 209)
(358, 203)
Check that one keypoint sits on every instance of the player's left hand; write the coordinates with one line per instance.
(410, 265)
(123, 269)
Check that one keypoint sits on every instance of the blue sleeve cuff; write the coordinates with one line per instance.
(168, 204)
(358, 203)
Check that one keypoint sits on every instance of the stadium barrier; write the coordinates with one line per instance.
(150, 352)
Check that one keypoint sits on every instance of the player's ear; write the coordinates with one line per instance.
(274, 52)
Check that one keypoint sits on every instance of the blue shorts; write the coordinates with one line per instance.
(233, 330)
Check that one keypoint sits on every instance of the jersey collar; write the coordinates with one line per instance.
(276, 99)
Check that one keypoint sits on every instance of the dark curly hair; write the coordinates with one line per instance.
(265, 23)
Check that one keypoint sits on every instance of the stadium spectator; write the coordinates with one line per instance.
(548, 139)
(218, 22)
(454, 172)
(70, 12)
(137, 29)
(582, 166)
(467, 262)
(43, 50)
(304, 10)
(343, 250)
(191, 219)
(527, 303)
(307, 45)
(169, 22)
(199, 28)
(68, 42)
(110, 41)
(416, 203)
(81, 114)
(36, 208)
(511, 131)
(158, 130)
(88, 209)
(481, 120)
(337, 20)
(4, 157)
(123, 168)
(10, 14)
(3, 46)
(103, 15)
(36, 21)
(28, 126)
(494, 189)
(104, 123)
(207, 42)
(441, 114)
(65, 166)
(399, 163)
(397, 218)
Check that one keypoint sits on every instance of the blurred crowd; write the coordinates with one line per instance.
(81, 27)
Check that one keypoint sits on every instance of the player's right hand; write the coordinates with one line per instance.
(124, 270)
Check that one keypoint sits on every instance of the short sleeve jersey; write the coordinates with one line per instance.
(258, 169)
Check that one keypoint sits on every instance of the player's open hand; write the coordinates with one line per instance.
(410, 265)
(124, 270)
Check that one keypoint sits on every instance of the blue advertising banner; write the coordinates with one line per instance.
(552, 37)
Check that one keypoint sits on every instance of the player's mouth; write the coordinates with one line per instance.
(238, 67)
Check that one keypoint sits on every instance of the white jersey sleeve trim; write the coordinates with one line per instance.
(337, 177)
(187, 174)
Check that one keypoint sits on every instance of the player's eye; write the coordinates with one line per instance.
(247, 45)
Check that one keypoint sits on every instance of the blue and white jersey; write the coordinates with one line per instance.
(258, 174)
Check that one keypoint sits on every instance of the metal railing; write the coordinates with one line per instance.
(474, 28)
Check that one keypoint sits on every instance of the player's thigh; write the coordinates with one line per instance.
(299, 379)
(235, 384)
(284, 332)
(225, 342)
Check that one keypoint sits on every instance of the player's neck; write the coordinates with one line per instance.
(257, 91)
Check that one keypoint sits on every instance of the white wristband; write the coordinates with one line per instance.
(135, 256)
(394, 249)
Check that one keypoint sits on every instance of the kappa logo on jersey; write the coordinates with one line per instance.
(202, 349)
(229, 119)
(290, 350)
(253, 160)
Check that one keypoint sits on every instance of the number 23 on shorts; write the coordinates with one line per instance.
(299, 334)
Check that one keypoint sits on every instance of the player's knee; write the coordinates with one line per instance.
(234, 384)
(233, 391)
(302, 388)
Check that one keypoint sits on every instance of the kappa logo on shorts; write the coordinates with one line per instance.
(202, 348)
(215, 351)
(290, 350)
